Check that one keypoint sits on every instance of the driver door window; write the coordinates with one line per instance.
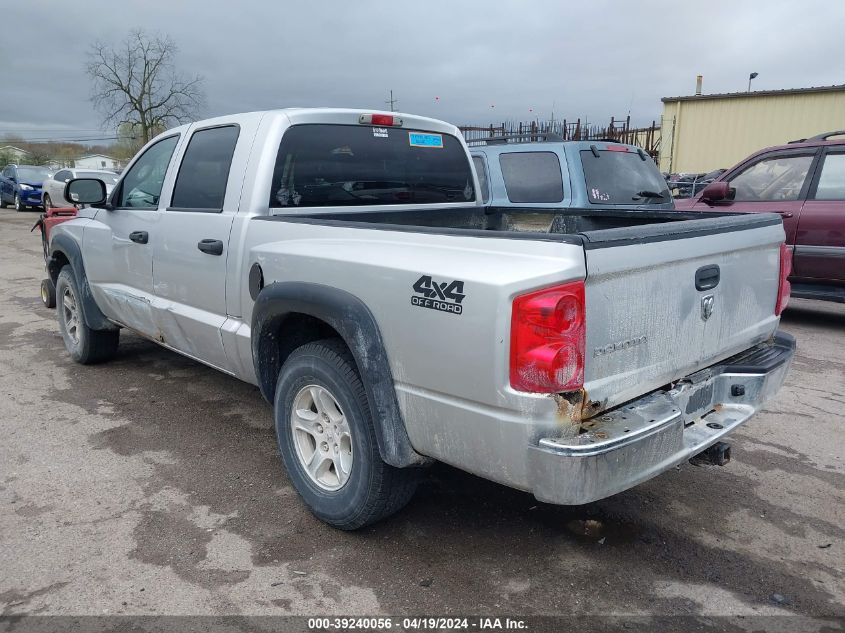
(141, 186)
(779, 178)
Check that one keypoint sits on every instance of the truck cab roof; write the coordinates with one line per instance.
(338, 116)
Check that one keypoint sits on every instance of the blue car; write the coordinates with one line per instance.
(20, 185)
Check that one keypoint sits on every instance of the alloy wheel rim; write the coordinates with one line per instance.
(322, 438)
(71, 315)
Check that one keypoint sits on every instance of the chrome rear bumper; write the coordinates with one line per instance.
(636, 441)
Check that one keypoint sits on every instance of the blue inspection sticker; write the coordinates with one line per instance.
(420, 139)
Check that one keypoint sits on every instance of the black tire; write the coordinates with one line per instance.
(85, 346)
(47, 201)
(48, 293)
(19, 206)
(374, 489)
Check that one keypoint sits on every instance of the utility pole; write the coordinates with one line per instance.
(391, 102)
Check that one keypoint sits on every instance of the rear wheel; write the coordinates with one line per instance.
(327, 440)
(85, 346)
(48, 293)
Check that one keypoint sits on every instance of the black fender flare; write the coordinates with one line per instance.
(67, 246)
(352, 319)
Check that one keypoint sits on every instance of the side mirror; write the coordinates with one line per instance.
(718, 191)
(85, 191)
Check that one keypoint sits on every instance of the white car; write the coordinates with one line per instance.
(53, 189)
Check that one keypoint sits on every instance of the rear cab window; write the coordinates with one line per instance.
(622, 177)
(329, 165)
(532, 176)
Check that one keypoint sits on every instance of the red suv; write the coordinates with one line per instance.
(803, 181)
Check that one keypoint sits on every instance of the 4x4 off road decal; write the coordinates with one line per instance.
(445, 296)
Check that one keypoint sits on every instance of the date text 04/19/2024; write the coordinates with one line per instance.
(417, 623)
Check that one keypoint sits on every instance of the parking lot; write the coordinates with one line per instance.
(151, 484)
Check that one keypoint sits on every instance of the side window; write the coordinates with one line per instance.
(775, 178)
(201, 183)
(7, 173)
(481, 170)
(532, 176)
(62, 176)
(832, 180)
(141, 188)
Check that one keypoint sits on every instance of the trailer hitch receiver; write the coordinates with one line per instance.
(717, 455)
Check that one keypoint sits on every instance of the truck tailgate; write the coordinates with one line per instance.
(648, 324)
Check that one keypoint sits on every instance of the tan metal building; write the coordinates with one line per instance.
(704, 132)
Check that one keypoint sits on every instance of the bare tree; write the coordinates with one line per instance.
(138, 85)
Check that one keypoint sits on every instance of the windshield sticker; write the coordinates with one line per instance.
(418, 139)
(599, 195)
(380, 132)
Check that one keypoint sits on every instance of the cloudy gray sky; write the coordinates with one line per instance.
(594, 58)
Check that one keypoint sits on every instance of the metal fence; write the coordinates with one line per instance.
(647, 138)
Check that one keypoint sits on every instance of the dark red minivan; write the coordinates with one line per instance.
(803, 181)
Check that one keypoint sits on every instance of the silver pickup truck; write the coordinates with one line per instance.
(342, 261)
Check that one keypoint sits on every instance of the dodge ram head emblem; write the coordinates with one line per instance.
(707, 306)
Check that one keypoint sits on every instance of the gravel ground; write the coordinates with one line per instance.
(151, 485)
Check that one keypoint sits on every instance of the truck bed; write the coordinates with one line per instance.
(593, 227)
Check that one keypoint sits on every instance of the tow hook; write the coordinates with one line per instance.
(717, 455)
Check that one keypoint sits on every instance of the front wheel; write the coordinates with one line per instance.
(328, 443)
(19, 206)
(85, 346)
(47, 202)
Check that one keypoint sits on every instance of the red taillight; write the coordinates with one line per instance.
(547, 340)
(784, 287)
(384, 120)
(616, 148)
